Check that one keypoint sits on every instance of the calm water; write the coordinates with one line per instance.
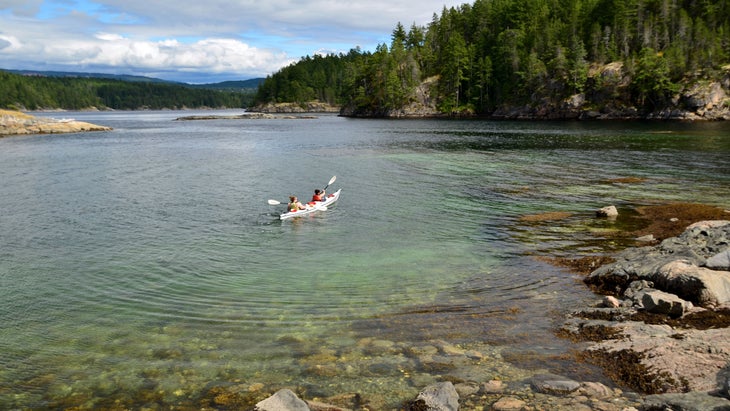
(143, 264)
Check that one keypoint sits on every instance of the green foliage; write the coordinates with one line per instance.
(495, 53)
(76, 93)
(651, 81)
(322, 78)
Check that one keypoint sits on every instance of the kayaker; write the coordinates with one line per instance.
(294, 204)
(319, 195)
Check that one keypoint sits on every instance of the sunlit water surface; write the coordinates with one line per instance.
(143, 264)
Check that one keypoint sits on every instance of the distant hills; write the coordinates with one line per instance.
(240, 85)
(49, 90)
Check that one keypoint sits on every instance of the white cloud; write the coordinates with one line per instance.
(219, 39)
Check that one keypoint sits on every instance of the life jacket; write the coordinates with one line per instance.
(293, 207)
(317, 197)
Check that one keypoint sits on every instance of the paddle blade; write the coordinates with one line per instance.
(332, 180)
(274, 202)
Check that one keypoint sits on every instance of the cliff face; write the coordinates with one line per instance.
(699, 98)
(608, 98)
(422, 105)
(15, 122)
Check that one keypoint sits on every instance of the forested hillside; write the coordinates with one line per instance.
(76, 93)
(494, 54)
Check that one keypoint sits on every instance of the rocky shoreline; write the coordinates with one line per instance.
(701, 97)
(18, 123)
(245, 116)
(661, 331)
(662, 327)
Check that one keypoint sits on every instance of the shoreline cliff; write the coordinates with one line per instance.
(608, 96)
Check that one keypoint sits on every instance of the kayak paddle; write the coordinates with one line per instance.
(332, 180)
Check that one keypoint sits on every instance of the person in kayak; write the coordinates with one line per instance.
(294, 204)
(319, 195)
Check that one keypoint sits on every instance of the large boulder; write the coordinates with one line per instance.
(694, 246)
(702, 286)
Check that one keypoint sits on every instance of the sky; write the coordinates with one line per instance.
(196, 41)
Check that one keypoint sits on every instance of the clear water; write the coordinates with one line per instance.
(146, 260)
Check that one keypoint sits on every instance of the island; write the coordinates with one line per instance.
(19, 123)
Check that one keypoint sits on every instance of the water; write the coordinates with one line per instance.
(140, 266)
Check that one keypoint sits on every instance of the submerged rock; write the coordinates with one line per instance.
(608, 212)
(283, 400)
(553, 384)
(441, 396)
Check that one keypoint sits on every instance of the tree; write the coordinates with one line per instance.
(651, 81)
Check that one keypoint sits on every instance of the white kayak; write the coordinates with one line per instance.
(313, 206)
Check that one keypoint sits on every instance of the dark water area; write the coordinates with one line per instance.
(141, 265)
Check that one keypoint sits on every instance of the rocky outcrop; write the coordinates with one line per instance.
(676, 265)
(421, 104)
(308, 107)
(666, 329)
(15, 123)
(608, 96)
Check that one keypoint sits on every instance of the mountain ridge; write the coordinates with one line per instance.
(230, 85)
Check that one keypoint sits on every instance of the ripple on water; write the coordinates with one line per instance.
(140, 265)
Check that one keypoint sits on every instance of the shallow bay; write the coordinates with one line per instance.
(147, 260)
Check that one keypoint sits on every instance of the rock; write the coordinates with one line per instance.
(719, 261)
(465, 389)
(15, 123)
(646, 238)
(608, 212)
(704, 96)
(697, 243)
(610, 301)
(309, 107)
(702, 286)
(441, 396)
(595, 390)
(659, 302)
(322, 406)
(725, 390)
(509, 404)
(670, 361)
(282, 400)
(693, 401)
(553, 384)
(493, 386)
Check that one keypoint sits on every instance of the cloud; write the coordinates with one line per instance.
(193, 40)
(25, 8)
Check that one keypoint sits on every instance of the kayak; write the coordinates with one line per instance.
(313, 206)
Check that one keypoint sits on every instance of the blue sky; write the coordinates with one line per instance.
(195, 41)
